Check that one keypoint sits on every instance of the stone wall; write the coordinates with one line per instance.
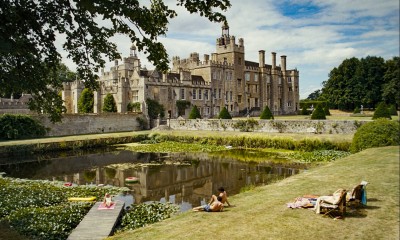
(74, 124)
(272, 126)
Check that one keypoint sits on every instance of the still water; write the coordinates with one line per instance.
(186, 179)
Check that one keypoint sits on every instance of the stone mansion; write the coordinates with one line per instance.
(224, 79)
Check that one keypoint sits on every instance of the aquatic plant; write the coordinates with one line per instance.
(144, 214)
(318, 156)
(40, 209)
(172, 146)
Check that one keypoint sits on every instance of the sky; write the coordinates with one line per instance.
(315, 35)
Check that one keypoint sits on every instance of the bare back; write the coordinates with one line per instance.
(216, 206)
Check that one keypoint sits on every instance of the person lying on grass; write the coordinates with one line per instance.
(215, 206)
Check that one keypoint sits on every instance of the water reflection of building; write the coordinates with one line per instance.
(178, 183)
(194, 183)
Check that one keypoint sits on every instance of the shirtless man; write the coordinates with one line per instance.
(215, 206)
(222, 194)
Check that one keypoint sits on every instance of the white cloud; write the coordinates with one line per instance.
(314, 43)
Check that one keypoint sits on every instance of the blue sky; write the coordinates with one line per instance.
(315, 35)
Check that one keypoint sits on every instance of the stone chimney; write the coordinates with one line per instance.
(273, 54)
(206, 58)
(283, 63)
(261, 58)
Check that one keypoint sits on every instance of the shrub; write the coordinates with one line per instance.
(195, 113)
(224, 114)
(246, 125)
(86, 101)
(154, 109)
(393, 110)
(142, 122)
(357, 110)
(326, 110)
(304, 111)
(318, 113)
(20, 126)
(379, 133)
(109, 104)
(144, 214)
(182, 105)
(133, 107)
(266, 114)
(382, 111)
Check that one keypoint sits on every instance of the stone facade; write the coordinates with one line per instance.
(270, 126)
(15, 106)
(76, 124)
(224, 80)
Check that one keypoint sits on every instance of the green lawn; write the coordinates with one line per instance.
(261, 213)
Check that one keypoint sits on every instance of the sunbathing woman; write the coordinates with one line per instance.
(107, 201)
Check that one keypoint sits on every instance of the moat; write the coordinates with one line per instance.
(186, 179)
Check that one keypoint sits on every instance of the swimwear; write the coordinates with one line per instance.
(207, 208)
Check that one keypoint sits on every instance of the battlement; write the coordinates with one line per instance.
(224, 46)
(196, 63)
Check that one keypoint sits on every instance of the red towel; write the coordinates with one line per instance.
(103, 206)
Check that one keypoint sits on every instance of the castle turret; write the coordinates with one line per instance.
(133, 51)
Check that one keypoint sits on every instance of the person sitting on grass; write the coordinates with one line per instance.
(107, 201)
(222, 194)
(215, 206)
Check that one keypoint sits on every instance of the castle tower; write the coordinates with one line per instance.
(231, 54)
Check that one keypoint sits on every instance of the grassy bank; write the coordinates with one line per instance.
(277, 140)
(261, 213)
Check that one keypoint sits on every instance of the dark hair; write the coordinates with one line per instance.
(219, 198)
(221, 189)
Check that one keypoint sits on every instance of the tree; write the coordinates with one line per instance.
(318, 113)
(362, 82)
(314, 95)
(340, 87)
(154, 109)
(224, 114)
(29, 30)
(382, 111)
(266, 114)
(109, 103)
(86, 101)
(391, 88)
(371, 71)
(195, 113)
